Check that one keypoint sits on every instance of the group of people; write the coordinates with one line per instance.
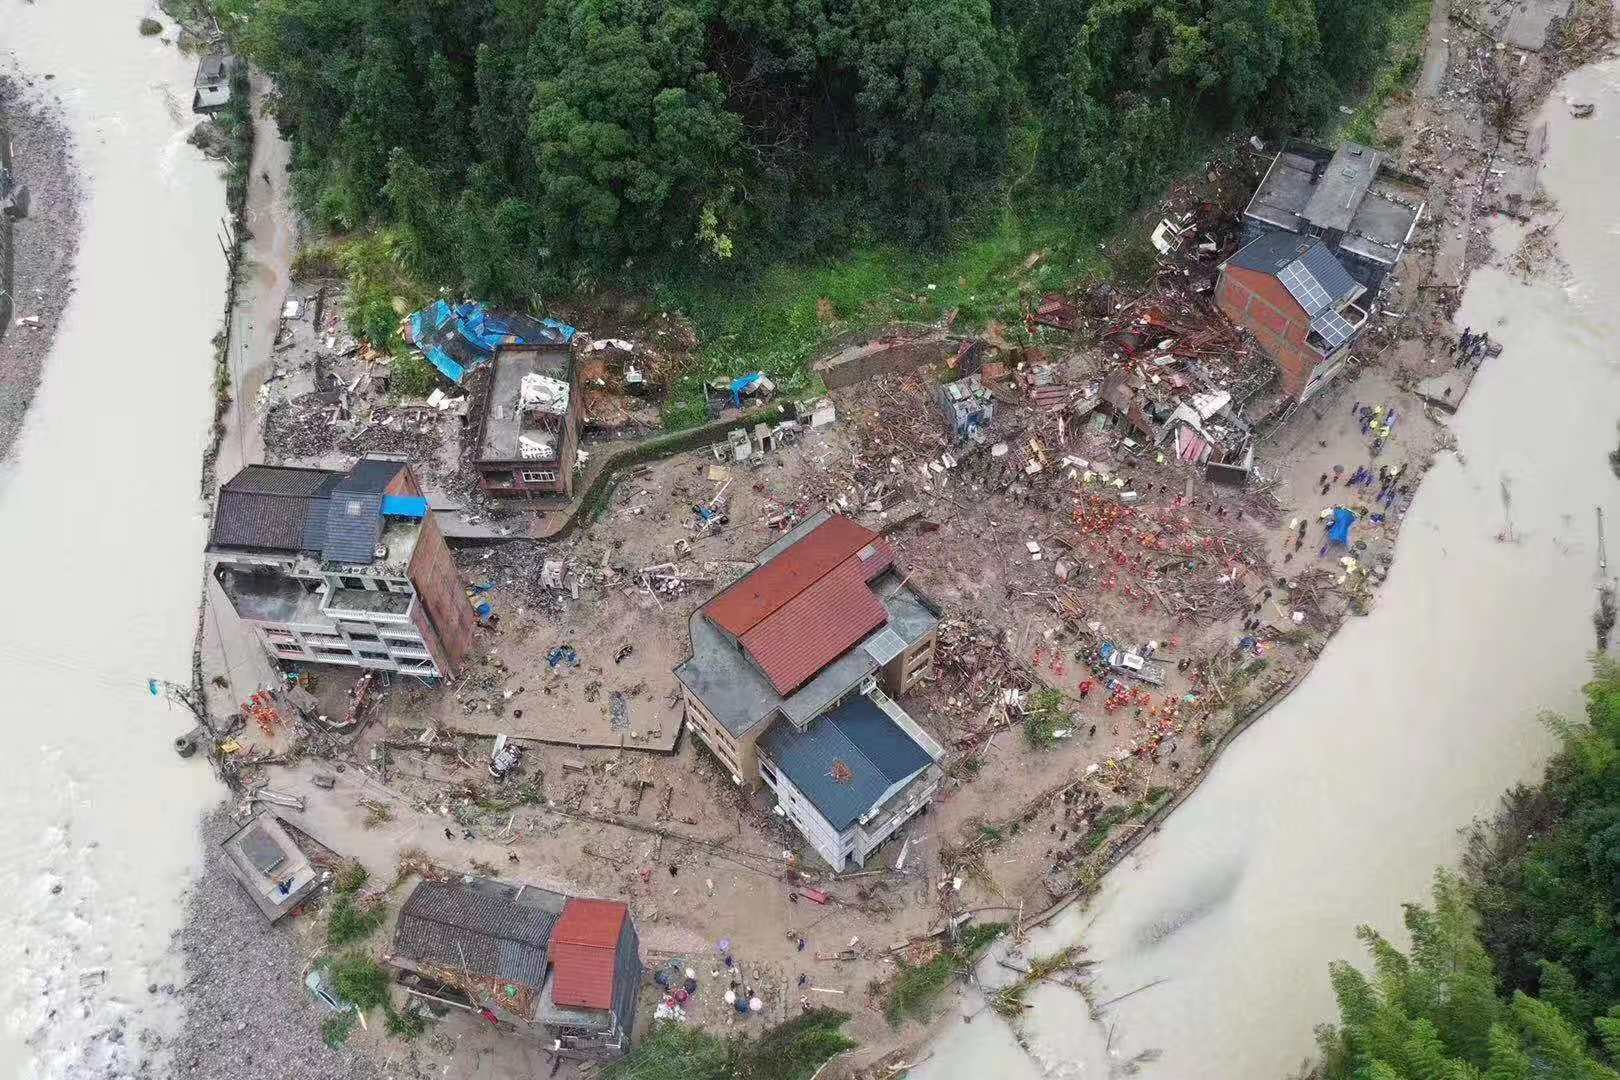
(1471, 348)
(1376, 423)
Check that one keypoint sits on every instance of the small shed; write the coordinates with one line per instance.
(211, 91)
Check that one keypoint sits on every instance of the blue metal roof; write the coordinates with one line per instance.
(875, 750)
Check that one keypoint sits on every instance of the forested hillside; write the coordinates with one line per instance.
(524, 147)
(1514, 973)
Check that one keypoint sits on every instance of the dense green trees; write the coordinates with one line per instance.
(529, 145)
(1536, 917)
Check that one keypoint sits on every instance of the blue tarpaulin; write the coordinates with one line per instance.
(1339, 531)
(742, 385)
(405, 506)
(459, 338)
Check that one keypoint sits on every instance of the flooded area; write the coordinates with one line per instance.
(101, 529)
(1339, 804)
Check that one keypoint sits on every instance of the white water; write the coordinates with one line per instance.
(1340, 803)
(100, 535)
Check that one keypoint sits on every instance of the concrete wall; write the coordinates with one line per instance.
(861, 362)
(1261, 304)
(442, 612)
(736, 752)
(910, 667)
(833, 847)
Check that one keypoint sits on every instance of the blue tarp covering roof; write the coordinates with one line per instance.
(1339, 531)
(405, 506)
(459, 338)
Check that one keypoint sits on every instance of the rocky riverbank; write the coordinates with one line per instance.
(37, 270)
(245, 1019)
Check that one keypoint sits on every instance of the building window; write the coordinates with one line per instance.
(278, 633)
(538, 476)
(353, 582)
(768, 773)
(355, 635)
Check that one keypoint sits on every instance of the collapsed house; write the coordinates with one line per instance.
(459, 338)
(527, 423)
(342, 567)
(786, 685)
(555, 967)
(967, 407)
(1299, 302)
(1350, 199)
(269, 865)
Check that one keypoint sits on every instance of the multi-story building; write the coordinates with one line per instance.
(1349, 198)
(792, 681)
(1300, 304)
(342, 567)
(556, 967)
(526, 416)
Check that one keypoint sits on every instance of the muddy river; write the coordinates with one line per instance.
(100, 532)
(1339, 804)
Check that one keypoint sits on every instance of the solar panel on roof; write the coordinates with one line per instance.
(1303, 286)
(1334, 329)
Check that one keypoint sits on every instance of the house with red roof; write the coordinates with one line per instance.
(561, 968)
(792, 683)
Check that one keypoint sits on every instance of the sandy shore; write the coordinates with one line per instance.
(44, 245)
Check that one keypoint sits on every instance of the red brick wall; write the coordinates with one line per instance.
(444, 616)
(1262, 304)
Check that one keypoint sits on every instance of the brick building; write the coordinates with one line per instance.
(342, 567)
(526, 418)
(790, 684)
(560, 968)
(1299, 302)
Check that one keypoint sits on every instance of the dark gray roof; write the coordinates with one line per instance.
(1342, 186)
(483, 928)
(353, 527)
(1312, 274)
(371, 474)
(875, 750)
(278, 508)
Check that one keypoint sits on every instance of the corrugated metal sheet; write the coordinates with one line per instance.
(816, 627)
(751, 600)
(844, 760)
(584, 953)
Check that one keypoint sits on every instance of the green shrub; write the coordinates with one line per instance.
(352, 878)
(350, 923)
(359, 978)
(151, 27)
(335, 1028)
(412, 376)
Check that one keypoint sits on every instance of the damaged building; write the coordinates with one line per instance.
(342, 567)
(790, 684)
(526, 422)
(1363, 210)
(560, 968)
(1299, 302)
(459, 338)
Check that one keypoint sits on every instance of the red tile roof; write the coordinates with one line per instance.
(816, 627)
(750, 601)
(584, 951)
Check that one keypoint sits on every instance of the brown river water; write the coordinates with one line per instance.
(101, 529)
(1338, 805)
